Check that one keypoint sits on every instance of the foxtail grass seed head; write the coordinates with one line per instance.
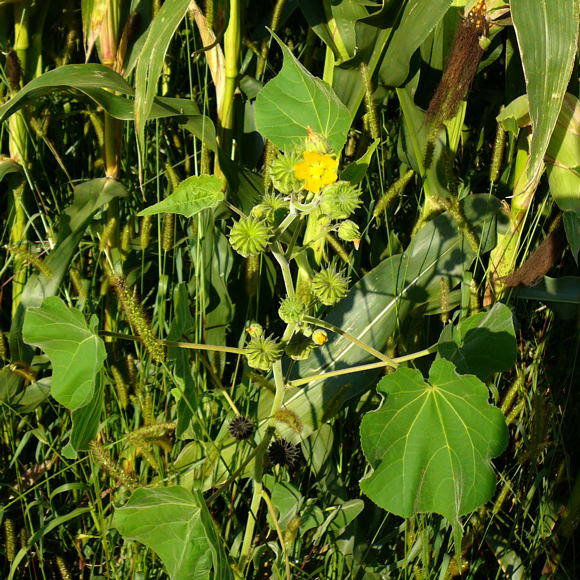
(282, 452)
(135, 313)
(145, 232)
(444, 298)
(121, 387)
(103, 459)
(497, 155)
(3, 351)
(63, 569)
(282, 173)
(262, 352)
(340, 200)
(241, 427)
(329, 286)
(250, 236)
(464, 57)
(167, 232)
(261, 381)
(77, 283)
(20, 252)
(370, 102)
(107, 233)
(9, 539)
(126, 236)
(292, 309)
(289, 418)
(291, 531)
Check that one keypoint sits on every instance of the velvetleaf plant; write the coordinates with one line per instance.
(327, 349)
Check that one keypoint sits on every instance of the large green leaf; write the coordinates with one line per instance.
(295, 100)
(176, 525)
(191, 196)
(152, 59)
(482, 344)
(75, 349)
(547, 33)
(378, 303)
(85, 422)
(430, 444)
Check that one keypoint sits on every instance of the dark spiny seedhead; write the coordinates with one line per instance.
(241, 428)
(282, 452)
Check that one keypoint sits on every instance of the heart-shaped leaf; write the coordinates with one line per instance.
(176, 525)
(430, 444)
(190, 197)
(295, 100)
(481, 344)
(74, 349)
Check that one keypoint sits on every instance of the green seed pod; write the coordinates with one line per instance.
(292, 309)
(329, 286)
(320, 337)
(262, 352)
(348, 231)
(299, 347)
(250, 236)
(255, 329)
(282, 173)
(339, 200)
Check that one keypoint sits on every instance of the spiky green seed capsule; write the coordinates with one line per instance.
(292, 309)
(262, 352)
(348, 231)
(282, 173)
(249, 236)
(329, 286)
(340, 200)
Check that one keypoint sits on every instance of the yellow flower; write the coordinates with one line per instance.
(317, 170)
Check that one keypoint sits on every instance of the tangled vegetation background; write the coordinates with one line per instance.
(289, 289)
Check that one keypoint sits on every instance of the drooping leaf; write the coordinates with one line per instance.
(295, 100)
(191, 196)
(356, 171)
(73, 347)
(152, 59)
(482, 344)
(85, 423)
(176, 525)
(430, 443)
(547, 33)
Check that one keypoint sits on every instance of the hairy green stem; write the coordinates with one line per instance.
(389, 361)
(397, 361)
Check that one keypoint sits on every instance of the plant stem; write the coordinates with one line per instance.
(259, 464)
(361, 368)
(187, 345)
(377, 354)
